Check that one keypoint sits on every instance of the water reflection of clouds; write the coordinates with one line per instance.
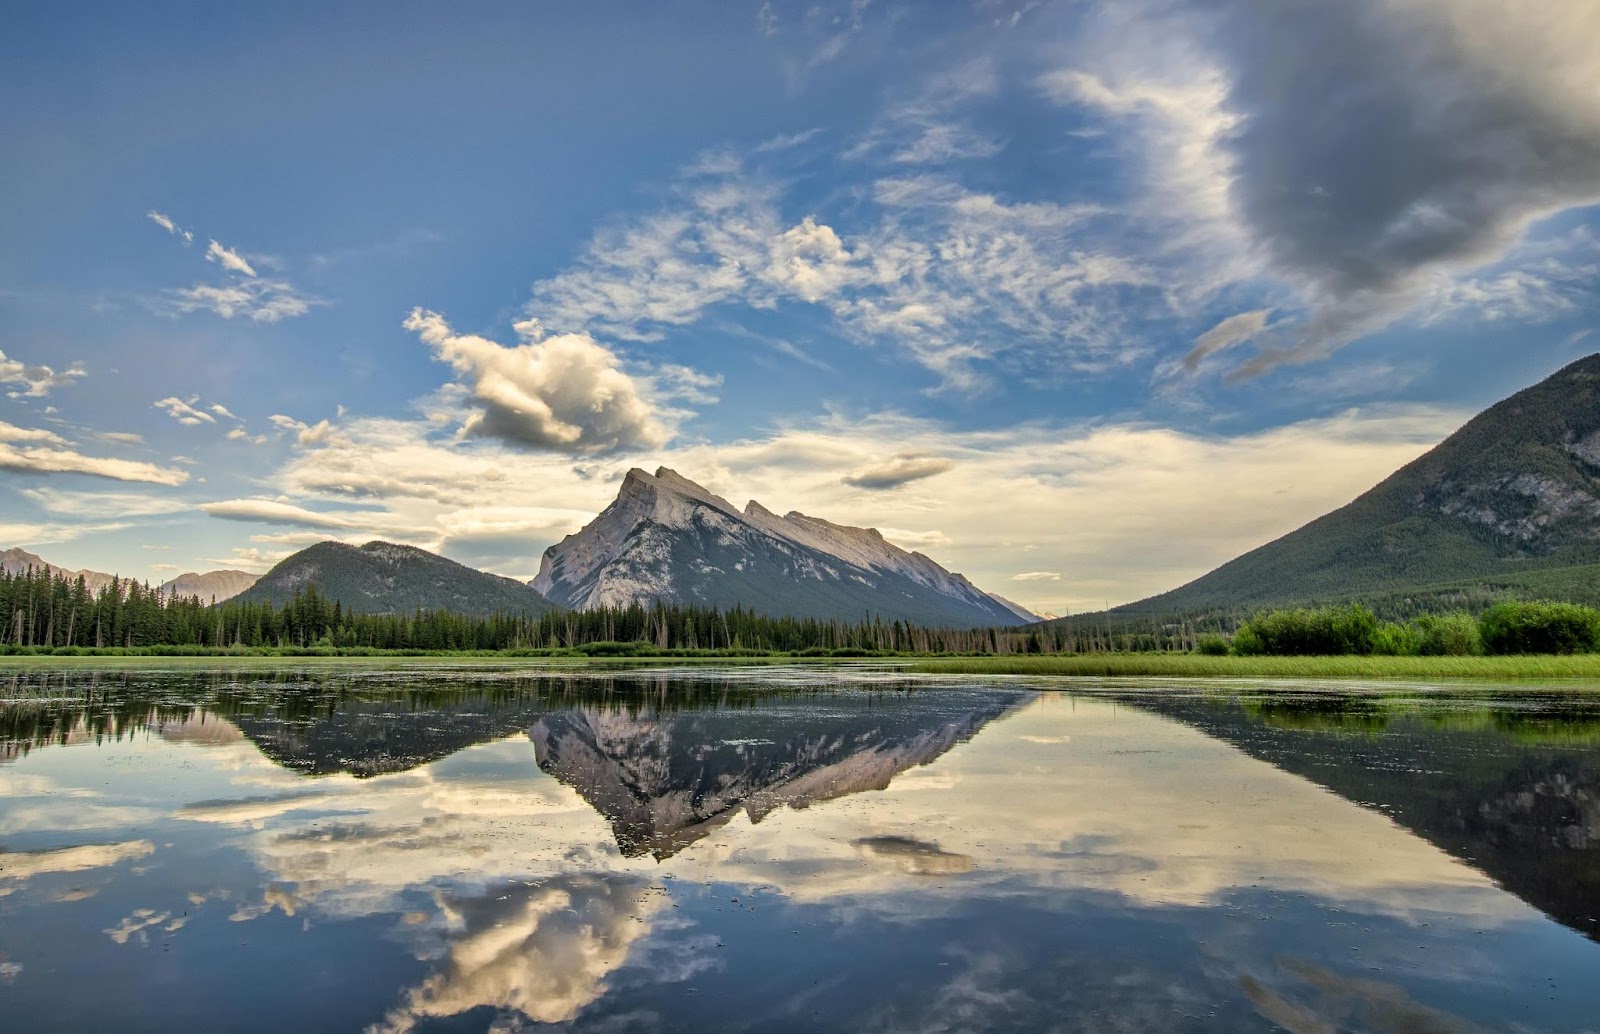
(17, 866)
(543, 951)
(514, 884)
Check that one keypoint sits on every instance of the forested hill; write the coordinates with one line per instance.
(384, 578)
(1509, 502)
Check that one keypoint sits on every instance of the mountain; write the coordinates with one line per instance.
(16, 561)
(666, 780)
(384, 578)
(667, 538)
(1510, 503)
(211, 587)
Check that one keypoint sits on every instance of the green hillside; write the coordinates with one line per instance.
(384, 578)
(1509, 505)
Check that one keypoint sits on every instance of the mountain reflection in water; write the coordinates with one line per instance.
(784, 850)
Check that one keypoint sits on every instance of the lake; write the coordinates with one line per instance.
(791, 849)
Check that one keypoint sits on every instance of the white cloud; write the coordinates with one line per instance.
(304, 433)
(1235, 330)
(263, 301)
(228, 259)
(243, 293)
(221, 410)
(953, 277)
(184, 412)
(1122, 510)
(167, 224)
(35, 381)
(102, 504)
(1258, 136)
(51, 454)
(565, 393)
(276, 511)
(901, 470)
(1037, 576)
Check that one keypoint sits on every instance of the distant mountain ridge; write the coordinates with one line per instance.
(1511, 499)
(210, 587)
(667, 538)
(386, 578)
(17, 561)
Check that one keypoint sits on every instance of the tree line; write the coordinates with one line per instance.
(46, 609)
(51, 610)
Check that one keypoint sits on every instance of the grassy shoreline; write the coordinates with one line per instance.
(1091, 665)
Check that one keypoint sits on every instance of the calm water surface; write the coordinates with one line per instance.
(784, 849)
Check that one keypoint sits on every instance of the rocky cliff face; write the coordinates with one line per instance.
(667, 538)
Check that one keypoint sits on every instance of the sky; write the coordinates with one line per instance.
(1079, 298)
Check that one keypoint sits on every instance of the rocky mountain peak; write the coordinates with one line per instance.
(666, 537)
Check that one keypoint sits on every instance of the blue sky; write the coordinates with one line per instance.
(1079, 298)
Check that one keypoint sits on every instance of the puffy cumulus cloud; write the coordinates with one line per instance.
(1354, 153)
(565, 393)
(34, 451)
(540, 952)
(899, 471)
(33, 380)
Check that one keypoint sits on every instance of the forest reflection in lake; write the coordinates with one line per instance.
(789, 849)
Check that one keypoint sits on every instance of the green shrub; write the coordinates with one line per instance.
(1246, 643)
(1508, 628)
(1211, 646)
(1392, 640)
(1448, 635)
(1314, 633)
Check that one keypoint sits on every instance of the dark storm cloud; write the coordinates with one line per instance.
(1382, 144)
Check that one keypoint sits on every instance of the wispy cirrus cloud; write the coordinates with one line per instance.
(956, 279)
(244, 293)
(166, 223)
